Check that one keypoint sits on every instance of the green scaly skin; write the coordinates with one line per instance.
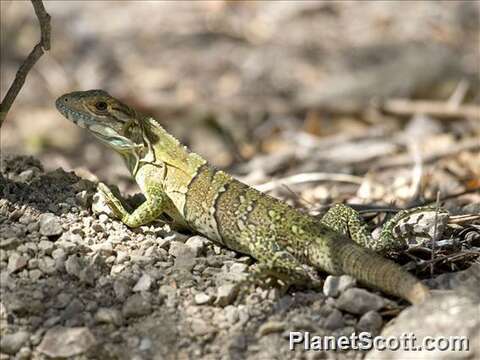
(181, 184)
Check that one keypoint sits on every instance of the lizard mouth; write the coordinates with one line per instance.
(76, 117)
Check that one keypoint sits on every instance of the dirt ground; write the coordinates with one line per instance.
(374, 104)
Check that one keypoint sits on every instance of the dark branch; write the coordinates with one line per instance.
(32, 58)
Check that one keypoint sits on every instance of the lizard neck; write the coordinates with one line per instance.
(155, 146)
(167, 149)
(161, 150)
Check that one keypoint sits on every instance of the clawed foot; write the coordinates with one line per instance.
(109, 201)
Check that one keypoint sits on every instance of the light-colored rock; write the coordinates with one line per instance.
(109, 316)
(231, 315)
(16, 262)
(180, 250)
(70, 237)
(64, 342)
(359, 301)
(100, 206)
(117, 269)
(271, 327)
(446, 316)
(226, 294)
(122, 256)
(121, 289)
(11, 343)
(144, 283)
(46, 246)
(202, 298)
(238, 268)
(50, 225)
(35, 274)
(26, 175)
(58, 253)
(197, 244)
(73, 266)
(335, 285)
(104, 248)
(201, 327)
(47, 265)
(145, 344)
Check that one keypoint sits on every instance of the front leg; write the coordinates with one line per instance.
(149, 211)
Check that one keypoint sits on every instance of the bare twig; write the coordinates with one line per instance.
(458, 94)
(447, 197)
(32, 58)
(451, 258)
(417, 170)
(435, 233)
(309, 177)
(471, 144)
(463, 219)
(438, 109)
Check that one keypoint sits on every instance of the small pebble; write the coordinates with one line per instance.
(16, 262)
(202, 298)
(145, 344)
(226, 294)
(196, 244)
(62, 342)
(371, 322)
(9, 243)
(335, 285)
(50, 225)
(11, 343)
(35, 274)
(143, 284)
(200, 327)
(271, 327)
(178, 249)
(109, 316)
(334, 320)
(238, 268)
(72, 266)
(136, 305)
(359, 301)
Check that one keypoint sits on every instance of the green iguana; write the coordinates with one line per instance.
(181, 184)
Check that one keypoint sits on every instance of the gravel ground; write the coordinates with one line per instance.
(79, 284)
(75, 283)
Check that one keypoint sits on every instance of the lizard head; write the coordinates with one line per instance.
(113, 122)
(129, 133)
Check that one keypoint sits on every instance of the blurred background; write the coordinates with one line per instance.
(264, 89)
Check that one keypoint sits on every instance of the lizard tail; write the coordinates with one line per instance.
(374, 270)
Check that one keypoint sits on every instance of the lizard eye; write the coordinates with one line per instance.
(101, 106)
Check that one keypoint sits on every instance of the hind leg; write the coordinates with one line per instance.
(345, 220)
(275, 263)
(397, 232)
